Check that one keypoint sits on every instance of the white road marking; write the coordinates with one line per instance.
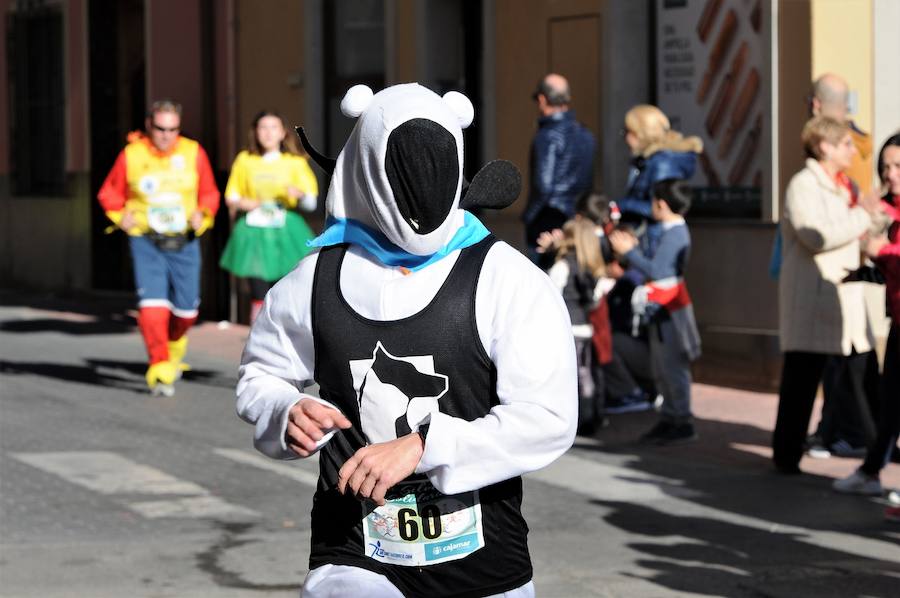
(108, 473)
(621, 484)
(111, 474)
(288, 469)
(192, 507)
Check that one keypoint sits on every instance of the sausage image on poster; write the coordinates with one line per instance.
(710, 83)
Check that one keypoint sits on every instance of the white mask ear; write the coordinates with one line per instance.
(356, 100)
(461, 106)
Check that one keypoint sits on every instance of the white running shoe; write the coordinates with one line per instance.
(818, 452)
(858, 483)
(163, 390)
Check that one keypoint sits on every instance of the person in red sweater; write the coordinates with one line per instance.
(885, 252)
(161, 192)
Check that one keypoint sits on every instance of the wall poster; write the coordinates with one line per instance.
(710, 83)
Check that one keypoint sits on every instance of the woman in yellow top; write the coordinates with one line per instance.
(267, 182)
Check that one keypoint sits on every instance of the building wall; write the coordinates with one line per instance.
(842, 44)
(4, 100)
(886, 85)
(403, 63)
(174, 59)
(46, 240)
(793, 63)
(270, 62)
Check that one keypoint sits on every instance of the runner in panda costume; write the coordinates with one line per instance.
(444, 360)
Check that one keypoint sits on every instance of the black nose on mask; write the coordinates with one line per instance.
(422, 167)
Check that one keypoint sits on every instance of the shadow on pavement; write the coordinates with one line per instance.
(714, 557)
(767, 555)
(110, 325)
(126, 375)
(724, 475)
(84, 374)
(75, 314)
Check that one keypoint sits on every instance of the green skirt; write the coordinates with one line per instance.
(266, 253)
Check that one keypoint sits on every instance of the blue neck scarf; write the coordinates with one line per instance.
(347, 230)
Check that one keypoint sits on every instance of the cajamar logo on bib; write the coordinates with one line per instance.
(395, 393)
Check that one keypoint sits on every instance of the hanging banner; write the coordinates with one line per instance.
(710, 70)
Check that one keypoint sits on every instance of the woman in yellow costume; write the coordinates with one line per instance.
(268, 180)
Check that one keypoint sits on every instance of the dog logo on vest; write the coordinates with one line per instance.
(395, 393)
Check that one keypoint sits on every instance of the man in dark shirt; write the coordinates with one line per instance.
(562, 156)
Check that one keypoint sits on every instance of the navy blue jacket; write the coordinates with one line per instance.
(646, 172)
(562, 160)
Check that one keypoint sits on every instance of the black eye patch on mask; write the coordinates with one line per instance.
(422, 166)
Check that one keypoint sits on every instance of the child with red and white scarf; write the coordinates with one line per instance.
(665, 305)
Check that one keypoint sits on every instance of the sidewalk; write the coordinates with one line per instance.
(735, 431)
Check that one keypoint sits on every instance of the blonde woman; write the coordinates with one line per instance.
(658, 153)
(820, 315)
(579, 273)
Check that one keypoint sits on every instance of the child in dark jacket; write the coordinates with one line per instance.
(663, 302)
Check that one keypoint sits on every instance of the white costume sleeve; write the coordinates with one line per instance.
(278, 361)
(526, 331)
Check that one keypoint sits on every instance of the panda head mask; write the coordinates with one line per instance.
(400, 175)
(400, 171)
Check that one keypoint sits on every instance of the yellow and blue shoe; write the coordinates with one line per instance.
(161, 378)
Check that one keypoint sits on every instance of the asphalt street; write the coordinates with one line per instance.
(106, 491)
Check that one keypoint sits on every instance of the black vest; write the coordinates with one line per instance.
(435, 352)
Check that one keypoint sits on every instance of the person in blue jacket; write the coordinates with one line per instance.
(561, 164)
(659, 153)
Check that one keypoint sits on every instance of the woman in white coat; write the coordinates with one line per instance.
(820, 315)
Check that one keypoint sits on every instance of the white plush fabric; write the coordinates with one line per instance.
(359, 186)
(523, 326)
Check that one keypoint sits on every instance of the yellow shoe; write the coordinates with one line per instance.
(177, 350)
(160, 378)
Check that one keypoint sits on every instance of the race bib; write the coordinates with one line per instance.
(267, 215)
(424, 527)
(167, 219)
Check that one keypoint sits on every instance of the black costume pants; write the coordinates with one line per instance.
(889, 413)
(800, 377)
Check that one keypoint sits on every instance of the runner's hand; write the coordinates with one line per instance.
(872, 246)
(376, 468)
(871, 201)
(622, 242)
(197, 219)
(127, 221)
(308, 422)
(549, 240)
